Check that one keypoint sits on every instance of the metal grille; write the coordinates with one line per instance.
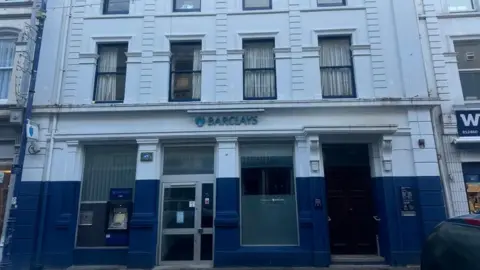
(108, 167)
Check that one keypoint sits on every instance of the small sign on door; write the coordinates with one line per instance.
(191, 204)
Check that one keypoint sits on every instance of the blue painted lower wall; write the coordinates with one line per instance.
(400, 236)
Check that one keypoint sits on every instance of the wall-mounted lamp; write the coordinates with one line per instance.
(314, 165)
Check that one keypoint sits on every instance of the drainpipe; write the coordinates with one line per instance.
(62, 46)
(442, 163)
(38, 14)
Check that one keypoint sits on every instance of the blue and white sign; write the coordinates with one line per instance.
(238, 120)
(468, 123)
(32, 131)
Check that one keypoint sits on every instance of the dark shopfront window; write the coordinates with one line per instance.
(106, 167)
(471, 176)
(268, 203)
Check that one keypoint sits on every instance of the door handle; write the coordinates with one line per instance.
(329, 219)
(376, 218)
(200, 231)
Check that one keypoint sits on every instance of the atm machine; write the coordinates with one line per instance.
(119, 212)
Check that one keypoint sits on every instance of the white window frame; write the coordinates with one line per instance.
(472, 38)
(446, 5)
(13, 38)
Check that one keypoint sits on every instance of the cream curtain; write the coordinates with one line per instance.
(7, 56)
(107, 83)
(197, 76)
(335, 65)
(259, 71)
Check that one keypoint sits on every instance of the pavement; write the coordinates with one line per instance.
(341, 267)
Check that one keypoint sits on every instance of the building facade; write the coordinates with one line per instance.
(451, 39)
(230, 133)
(15, 63)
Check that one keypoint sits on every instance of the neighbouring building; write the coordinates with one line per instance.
(15, 64)
(231, 133)
(450, 30)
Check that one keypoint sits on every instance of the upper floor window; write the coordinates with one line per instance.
(7, 55)
(257, 4)
(259, 80)
(331, 3)
(186, 5)
(186, 71)
(468, 54)
(111, 73)
(460, 5)
(336, 67)
(116, 6)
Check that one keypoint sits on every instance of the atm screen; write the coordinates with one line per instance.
(118, 219)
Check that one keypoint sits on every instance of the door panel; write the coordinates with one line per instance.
(206, 225)
(178, 223)
(350, 208)
(177, 211)
(187, 222)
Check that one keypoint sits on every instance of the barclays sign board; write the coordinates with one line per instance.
(237, 120)
(468, 123)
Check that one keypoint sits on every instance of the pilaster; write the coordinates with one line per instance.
(148, 159)
(227, 158)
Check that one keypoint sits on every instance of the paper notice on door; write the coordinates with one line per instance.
(191, 204)
(180, 217)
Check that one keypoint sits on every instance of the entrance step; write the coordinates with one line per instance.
(358, 260)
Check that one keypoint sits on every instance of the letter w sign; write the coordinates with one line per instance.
(468, 123)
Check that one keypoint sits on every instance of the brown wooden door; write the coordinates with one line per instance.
(350, 208)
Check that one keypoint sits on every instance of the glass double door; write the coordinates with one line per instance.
(187, 222)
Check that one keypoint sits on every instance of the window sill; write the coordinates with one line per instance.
(459, 14)
(264, 98)
(183, 100)
(257, 11)
(113, 16)
(332, 8)
(107, 102)
(339, 97)
(472, 103)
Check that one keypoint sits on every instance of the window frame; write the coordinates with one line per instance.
(473, 4)
(171, 71)
(14, 39)
(105, 10)
(175, 9)
(467, 70)
(319, 4)
(351, 67)
(274, 69)
(99, 45)
(270, 6)
(279, 148)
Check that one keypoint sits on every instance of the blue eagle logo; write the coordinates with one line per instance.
(200, 121)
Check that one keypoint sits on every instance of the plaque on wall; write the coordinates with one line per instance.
(86, 218)
(407, 202)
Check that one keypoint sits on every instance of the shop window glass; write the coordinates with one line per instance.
(471, 176)
(268, 202)
(106, 167)
(188, 160)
